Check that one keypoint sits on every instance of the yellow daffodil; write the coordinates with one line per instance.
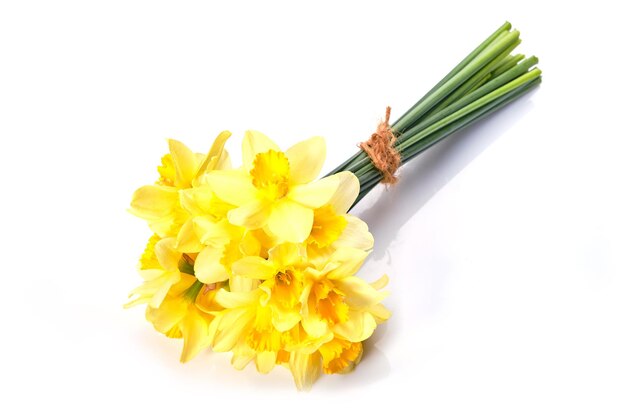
(281, 277)
(244, 327)
(339, 309)
(299, 315)
(334, 300)
(222, 244)
(275, 189)
(259, 261)
(160, 268)
(186, 312)
(334, 228)
(335, 356)
(260, 323)
(160, 204)
(340, 356)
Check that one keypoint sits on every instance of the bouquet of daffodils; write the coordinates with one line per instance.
(261, 259)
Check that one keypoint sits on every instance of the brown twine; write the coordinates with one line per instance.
(381, 150)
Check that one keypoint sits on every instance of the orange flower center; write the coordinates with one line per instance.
(327, 226)
(328, 302)
(270, 174)
(340, 355)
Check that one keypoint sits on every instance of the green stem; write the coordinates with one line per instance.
(192, 292)
(407, 119)
(460, 66)
(484, 58)
(487, 79)
(372, 180)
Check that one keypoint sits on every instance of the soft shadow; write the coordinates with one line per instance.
(386, 210)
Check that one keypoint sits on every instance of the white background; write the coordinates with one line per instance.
(505, 244)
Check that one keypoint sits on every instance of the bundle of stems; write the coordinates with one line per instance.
(486, 80)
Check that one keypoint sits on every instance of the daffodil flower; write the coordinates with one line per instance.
(311, 320)
(341, 310)
(187, 312)
(333, 228)
(163, 271)
(334, 300)
(259, 261)
(245, 328)
(222, 244)
(335, 356)
(281, 277)
(276, 190)
(261, 324)
(160, 204)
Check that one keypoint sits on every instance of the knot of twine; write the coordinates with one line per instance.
(381, 150)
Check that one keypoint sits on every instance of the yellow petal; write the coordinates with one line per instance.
(311, 345)
(184, 162)
(359, 294)
(319, 256)
(228, 328)
(340, 356)
(284, 320)
(346, 193)
(197, 201)
(238, 283)
(344, 262)
(154, 289)
(328, 226)
(166, 254)
(254, 267)
(304, 295)
(359, 326)
(253, 215)
(314, 325)
(265, 361)
(380, 313)
(381, 282)
(306, 159)
(305, 368)
(242, 355)
(152, 202)
(195, 330)
(144, 293)
(356, 235)
(233, 186)
(210, 232)
(208, 267)
(285, 254)
(253, 143)
(187, 241)
(235, 299)
(315, 194)
(290, 221)
(249, 244)
(169, 314)
(148, 258)
(215, 155)
(224, 162)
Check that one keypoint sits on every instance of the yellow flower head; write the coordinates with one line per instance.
(340, 356)
(275, 190)
(310, 319)
(159, 204)
(160, 268)
(333, 228)
(261, 260)
(187, 312)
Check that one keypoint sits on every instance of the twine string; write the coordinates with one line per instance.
(380, 148)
